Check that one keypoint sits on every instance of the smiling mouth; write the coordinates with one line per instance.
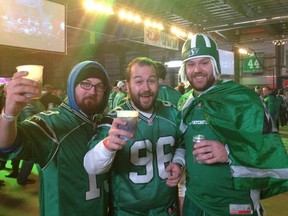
(199, 75)
(145, 95)
(199, 78)
(146, 98)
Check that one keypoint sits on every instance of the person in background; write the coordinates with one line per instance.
(2, 100)
(240, 159)
(59, 93)
(112, 95)
(166, 92)
(15, 169)
(272, 105)
(2, 165)
(282, 110)
(48, 99)
(57, 140)
(258, 90)
(121, 95)
(285, 97)
(145, 170)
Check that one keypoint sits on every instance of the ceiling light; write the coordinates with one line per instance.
(243, 51)
(279, 42)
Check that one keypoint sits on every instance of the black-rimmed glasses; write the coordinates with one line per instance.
(87, 86)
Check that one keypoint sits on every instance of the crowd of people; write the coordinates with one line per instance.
(276, 102)
(217, 136)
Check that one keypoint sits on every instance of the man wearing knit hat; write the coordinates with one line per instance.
(57, 140)
(241, 160)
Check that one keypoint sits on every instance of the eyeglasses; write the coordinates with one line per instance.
(87, 86)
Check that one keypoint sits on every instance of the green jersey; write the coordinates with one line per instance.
(111, 99)
(57, 141)
(273, 106)
(167, 93)
(234, 115)
(138, 180)
(210, 184)
(119, 98)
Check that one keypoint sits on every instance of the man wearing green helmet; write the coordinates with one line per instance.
(241, 160)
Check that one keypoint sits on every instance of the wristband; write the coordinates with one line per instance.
(8, 118)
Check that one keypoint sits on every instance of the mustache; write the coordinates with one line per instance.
(146, 94)
(91, 97)
(197, 74)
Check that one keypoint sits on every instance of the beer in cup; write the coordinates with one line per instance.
(35, 73)
(131, 117)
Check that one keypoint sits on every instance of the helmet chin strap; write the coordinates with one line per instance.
(216, 73)
(183, 76)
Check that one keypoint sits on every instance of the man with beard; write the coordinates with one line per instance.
(143, 174)
(57, 140)
(235, 124)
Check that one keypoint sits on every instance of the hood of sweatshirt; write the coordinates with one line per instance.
(82, 71)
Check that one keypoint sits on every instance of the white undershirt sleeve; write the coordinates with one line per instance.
(98, 160)
(179, 156)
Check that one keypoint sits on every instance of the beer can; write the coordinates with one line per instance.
(196, 139)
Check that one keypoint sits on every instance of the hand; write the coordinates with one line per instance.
(113, 142)
(210, 152)
(175, 171)
(15, 92)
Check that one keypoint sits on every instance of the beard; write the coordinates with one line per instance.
(207, 83)
(144, 106)
(91, 105)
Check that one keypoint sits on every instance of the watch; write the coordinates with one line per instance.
(8, 118)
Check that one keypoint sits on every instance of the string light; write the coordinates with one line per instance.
(131, 16)
(90, 5)
(279, 42)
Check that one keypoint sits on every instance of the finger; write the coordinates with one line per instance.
(119, 121)
(211, 158)
(171, 184)
(201, 144)
(115, 143)
(168, 168)
(19, 74)
(202, 150)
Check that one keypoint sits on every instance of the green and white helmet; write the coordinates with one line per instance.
(200, 45)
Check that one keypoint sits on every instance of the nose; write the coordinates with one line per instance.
(197, 67)
(146, 85)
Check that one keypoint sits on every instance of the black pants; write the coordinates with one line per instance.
(24, 171)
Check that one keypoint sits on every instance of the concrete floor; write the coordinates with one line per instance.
(23, 200)
(16, 199)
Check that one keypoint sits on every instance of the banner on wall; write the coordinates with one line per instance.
(252, 64)
(161, 39)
